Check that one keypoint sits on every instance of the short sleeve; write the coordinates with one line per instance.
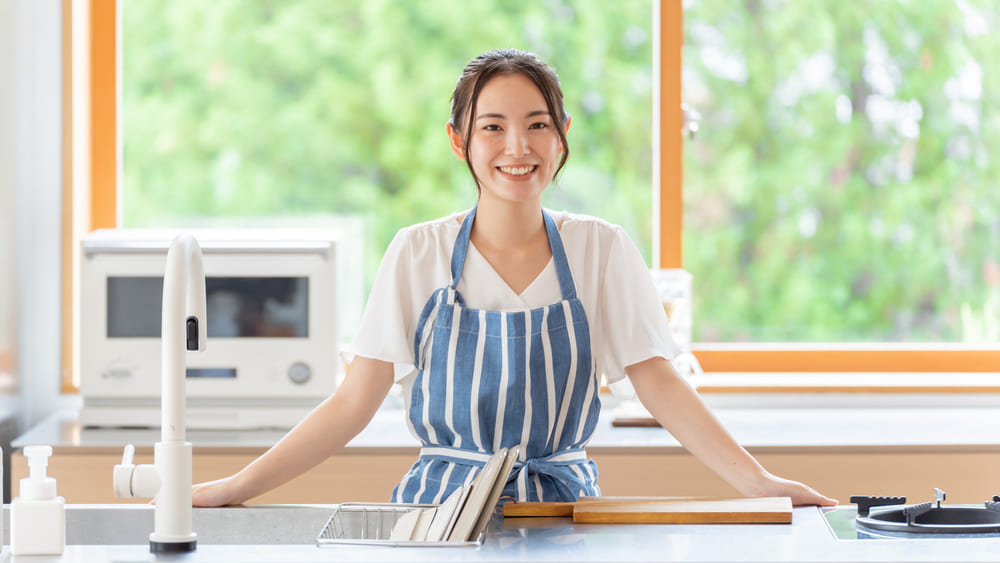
(388, 318)
(635, 326)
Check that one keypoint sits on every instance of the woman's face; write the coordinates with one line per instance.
(514, 147)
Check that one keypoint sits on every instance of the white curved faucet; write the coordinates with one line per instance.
(169, 479)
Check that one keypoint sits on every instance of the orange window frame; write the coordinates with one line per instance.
(749, 357)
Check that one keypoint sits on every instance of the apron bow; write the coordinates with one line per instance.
(552, 472)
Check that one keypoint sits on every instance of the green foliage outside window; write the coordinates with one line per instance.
(252, 108)
(844, 182)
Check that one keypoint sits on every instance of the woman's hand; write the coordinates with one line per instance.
(801, 494)
(221, 492)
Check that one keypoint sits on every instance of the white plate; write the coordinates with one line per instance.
(501, 481)
(444, 518)
(482, 488)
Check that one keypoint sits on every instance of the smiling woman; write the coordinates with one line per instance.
(485, 365)
(515, 147)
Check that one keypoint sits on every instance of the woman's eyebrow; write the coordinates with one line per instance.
(535, 113)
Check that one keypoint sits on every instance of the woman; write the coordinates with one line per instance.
(497, 322)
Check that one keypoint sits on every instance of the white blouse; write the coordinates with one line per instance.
(627, 322)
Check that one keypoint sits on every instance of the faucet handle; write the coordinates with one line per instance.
(135, 481)
(122, 476)
(128, 455)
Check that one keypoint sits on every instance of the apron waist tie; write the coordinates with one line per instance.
(556, 466)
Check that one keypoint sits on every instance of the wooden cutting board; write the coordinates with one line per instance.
(762, 510)
(533, 509)
(542, 509)
(660, 510)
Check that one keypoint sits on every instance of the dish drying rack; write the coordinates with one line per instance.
(371, 523)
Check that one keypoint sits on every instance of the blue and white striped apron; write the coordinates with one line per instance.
(489, 379)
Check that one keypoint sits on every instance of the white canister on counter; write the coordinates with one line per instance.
(37, 516)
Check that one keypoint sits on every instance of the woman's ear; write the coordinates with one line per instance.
(569, 119)
(457, 144)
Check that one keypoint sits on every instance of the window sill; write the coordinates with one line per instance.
(848, 357)
(847, 383)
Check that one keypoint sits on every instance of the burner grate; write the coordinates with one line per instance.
(926, 517)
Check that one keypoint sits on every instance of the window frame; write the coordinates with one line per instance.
(101, 197)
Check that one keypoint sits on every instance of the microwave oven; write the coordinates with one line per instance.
(272, 342)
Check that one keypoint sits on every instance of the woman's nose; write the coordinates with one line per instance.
(517, 143)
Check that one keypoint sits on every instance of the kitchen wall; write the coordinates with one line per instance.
(30, 189)
(8, 277)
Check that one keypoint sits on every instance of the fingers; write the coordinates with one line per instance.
(214, 493)
(800, 493)
(202, 495)
(810, 496)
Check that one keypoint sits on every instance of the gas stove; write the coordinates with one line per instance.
(892, 518)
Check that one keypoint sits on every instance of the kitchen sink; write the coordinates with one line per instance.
(131, 524)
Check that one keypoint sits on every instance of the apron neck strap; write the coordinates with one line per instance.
(566, 285)
(461, 247)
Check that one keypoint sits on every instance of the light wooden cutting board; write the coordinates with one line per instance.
(533, 509)
(661, 510)
(762, 510)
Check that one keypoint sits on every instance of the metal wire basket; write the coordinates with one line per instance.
(371, 524)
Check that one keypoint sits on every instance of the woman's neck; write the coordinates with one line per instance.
(504, 225)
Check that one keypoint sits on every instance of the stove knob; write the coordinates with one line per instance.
(299, 373)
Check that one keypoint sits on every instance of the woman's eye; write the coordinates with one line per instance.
(491, 127)
(539, 125)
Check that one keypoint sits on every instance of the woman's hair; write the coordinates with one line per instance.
(481, 69)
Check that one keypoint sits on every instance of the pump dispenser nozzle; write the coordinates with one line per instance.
(37, 485)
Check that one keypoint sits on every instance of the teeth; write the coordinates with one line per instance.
(516, 170)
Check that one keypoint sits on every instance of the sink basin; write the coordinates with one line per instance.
(131, 524)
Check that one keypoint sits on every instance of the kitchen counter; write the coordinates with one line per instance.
(808, 538)
(839, 450)
(774, 429)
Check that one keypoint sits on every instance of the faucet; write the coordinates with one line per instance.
(168, 480)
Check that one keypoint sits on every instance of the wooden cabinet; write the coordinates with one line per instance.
(83, 474)
(966, 473)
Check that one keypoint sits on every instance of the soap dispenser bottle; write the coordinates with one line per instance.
(37, 516)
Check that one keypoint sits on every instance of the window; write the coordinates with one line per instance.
(732, 351)
(845, 168)
(842, 185)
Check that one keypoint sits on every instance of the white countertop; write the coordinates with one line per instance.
(808, 538)
(761, 429)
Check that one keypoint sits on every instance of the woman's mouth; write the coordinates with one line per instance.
(517, 170)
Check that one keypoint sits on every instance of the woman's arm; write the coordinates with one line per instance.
(676, 406)
(323, 432)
